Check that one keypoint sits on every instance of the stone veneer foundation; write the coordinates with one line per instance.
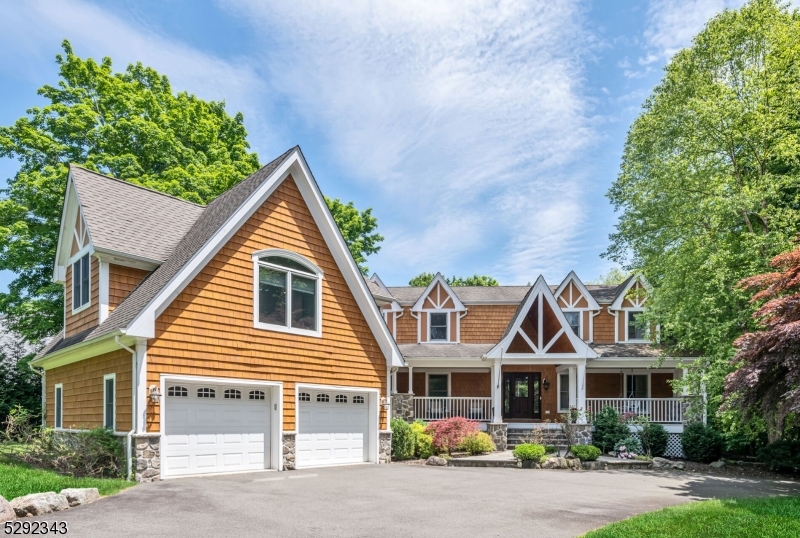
(289, 450)
(403, 406)
(385, 446)
(147, 453)
(499, 433)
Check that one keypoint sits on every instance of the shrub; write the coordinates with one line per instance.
(629, 447)
(529, 452)
(654, 438)
(477, 443)
(423, 440)
(448, 433)
(550, 449)
(781, 455)
(608, 429)
(586, 452)
(403, 442)
(701, 443)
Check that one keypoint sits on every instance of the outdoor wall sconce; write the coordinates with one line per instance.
(385, 403)
(155, 394)
(546, 384)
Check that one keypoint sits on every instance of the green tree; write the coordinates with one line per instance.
(708, 187)
(131, 126)
(423, 279)
(19, 386)
(615, 275)
(358, 229)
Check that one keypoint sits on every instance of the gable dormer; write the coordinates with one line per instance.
(629, 303)
(438, 311)
(540, 330)
(578, 306)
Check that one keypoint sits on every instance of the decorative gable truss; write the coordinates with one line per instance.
(74, 237)
(438, 311)
(540, 330)
(630, 301)
(578, 305)
(391, 312)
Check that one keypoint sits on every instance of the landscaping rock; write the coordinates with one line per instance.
(594, 465)
(436, 460)
(37, 504)
(663, 463)
(6, 511)
(574, 464)
(718, 464)
(78, 496)
(555, 463)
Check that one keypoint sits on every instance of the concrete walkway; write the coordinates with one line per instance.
(398, 500)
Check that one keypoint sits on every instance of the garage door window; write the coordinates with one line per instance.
(233, 394)
(257, 395)
(178, 392)
(341, 398)
(358, 399)
(304, 397)
(323, 398)
(206, 392)
(288, 295)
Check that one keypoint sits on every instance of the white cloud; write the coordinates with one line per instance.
(31, 34)
(461, 115)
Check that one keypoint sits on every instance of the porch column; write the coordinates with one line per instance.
(581, 403)
(411, 380)
(497, 394)
(573, 386)
(394, 382)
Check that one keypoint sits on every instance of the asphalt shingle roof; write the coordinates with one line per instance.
(452, 351)
(498, 294)
(132, 220)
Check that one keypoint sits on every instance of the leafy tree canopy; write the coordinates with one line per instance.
(709, 182)
(129, 125)
(612, 277)
(423, 279)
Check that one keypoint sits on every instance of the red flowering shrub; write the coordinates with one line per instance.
(448, 433)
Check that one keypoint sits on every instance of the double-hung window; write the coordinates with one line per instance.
(563, 392)
(635, 330)
(81, 272)
(58, 400)
(288, 297)
(109, 401)
(574, 320)
(438, 327)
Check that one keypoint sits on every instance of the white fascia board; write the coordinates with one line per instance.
(68, 213)
(549, 360)
(573, 277)
(633, 362)
(79, 352)
(377, 280)
(438, 279)
(144, 324)
(447, 363)
(127, 260)
(617, 304)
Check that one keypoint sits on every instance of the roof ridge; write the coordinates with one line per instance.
(148, 189)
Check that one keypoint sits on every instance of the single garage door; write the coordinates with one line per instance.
(333, 428)
(215, 428)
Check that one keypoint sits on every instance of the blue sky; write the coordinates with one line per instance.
(483, 134)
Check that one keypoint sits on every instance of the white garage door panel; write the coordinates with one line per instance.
(212, 435)
(331, 433)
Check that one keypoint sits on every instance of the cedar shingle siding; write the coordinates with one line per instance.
(121, 281)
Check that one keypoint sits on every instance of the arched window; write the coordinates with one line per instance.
(341, 398)
(206, 392)
(179, 392)
(358, 399)
(323, 398)
(257, 395)
(304, 397)
(289, 293)
(233, 394)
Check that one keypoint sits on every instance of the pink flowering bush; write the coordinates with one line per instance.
(449, 433)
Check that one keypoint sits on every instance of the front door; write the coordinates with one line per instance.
(522, 397)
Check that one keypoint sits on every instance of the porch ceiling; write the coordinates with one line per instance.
(444, 351)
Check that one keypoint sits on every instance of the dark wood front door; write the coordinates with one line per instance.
(522, 395)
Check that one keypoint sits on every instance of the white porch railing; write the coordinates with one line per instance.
(664, 410)
(429, 408)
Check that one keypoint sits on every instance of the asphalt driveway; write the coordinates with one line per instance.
(398, 500)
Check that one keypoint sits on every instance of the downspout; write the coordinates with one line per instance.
(41, 374)
(134, 388)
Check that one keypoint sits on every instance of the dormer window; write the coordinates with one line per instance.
(81, 274)
(438, 327)
(289, 295)
(574, 320)
(635, 331)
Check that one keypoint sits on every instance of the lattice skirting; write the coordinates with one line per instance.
(674, 447)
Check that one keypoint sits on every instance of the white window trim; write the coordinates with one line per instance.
(312, 268)
(447, 324)
(627, 313)
(58, 405)
(449, 384)
(558, 390)
(83, 252)
(114, 416)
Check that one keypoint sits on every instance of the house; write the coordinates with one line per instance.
(516, 356)
(236, 336)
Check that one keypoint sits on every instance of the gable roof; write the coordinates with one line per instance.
(540, 338)
(129, 219)
(438, 281)
(573, 277)
(135, 316)
(623, 290)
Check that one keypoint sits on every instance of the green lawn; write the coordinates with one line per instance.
(774, 517)
(17, 479)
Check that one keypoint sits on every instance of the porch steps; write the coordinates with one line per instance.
(517, 436)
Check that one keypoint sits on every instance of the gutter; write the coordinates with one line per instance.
(134, 386)
(41, 374)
